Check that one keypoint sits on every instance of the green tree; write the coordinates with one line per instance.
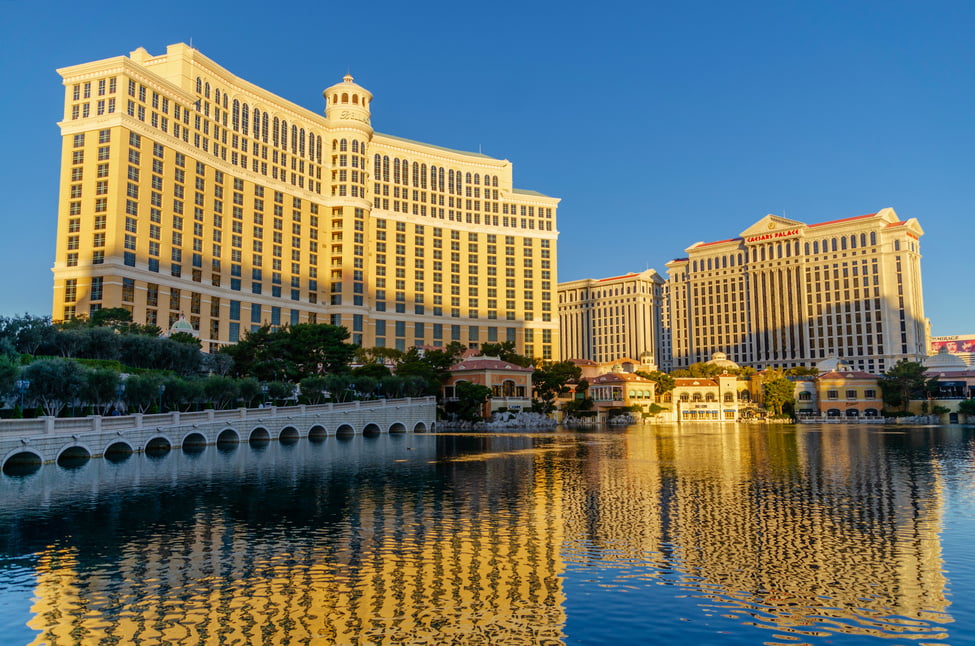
(142, 391)
(506, 352)
(967, 407)
(182, 394)
(665, 383)
(9, 373)
(187, 338)
(905, 381)
(551, 381)
(375, 370)
(338, 386)
(113, 317)
(778, 393)
(27, 333)
(100, 389)
(313, 389)
(223, 392)
(54, 383)
(292, 352)
(279, 392)
(801, 371)
(469, 403)
(250, 391)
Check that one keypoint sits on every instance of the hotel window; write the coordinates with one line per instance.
(96, 288)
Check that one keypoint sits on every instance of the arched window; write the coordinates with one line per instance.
(206, 89)
(199, 85)
(377, 166)
(343, 145)
(318, 149)
(301, 142)
(235, 116)
(853, 242)
(863, 239)
(396, 170)
(433, 178)
(477, 179)
(729, 396)
(423, 175)
(494, 181)
(416, 174)
(450, 179)
(216, 96)
(294, 138)
(284, 134)
(245, 118)
(684, 397)
(709, 397)
(224, 100)
(440, 181)
(467, 178)
(355, 99)
(405, 174)
(843, 243)
(264, 121)
(274, 131)
(385, 168)
(873, 238)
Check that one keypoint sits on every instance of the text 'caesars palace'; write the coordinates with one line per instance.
(187, 191)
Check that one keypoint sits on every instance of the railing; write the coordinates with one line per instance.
(95, 423)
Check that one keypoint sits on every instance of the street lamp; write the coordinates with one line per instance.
(120, 391)
(162, 389)
(23, 385)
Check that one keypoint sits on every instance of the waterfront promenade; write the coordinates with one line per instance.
(48, 439)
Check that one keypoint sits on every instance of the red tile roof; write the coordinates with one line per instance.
(856, 217)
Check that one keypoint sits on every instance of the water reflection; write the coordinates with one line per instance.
(771, 534)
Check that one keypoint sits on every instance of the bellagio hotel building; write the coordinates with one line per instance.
(786, 294)
(187, 191)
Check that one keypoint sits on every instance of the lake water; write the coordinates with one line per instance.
(700, 534)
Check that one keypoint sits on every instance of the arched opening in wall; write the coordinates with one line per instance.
(397, 428)
(118, 452)
(344, 432)
(317, 434)
(289, 436)
(22, 464)
(74, 457)
(371, 430)
(870, 412)
(194, 443)
(228, 438)
(420, 427)
(852, 412)
(158, 447)
(259, 438)
(833, 412)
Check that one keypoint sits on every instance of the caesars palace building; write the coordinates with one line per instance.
(786, 294)
(783, 294)
(187, 191)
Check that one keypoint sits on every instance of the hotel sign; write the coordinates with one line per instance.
(773, 235)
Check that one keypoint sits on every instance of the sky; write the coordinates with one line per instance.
(658, 124)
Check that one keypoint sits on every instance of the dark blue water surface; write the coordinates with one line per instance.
(699, 534)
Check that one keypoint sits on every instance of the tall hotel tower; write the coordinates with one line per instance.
(787, 294)
(187, 191)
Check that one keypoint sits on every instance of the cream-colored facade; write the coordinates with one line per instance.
(787, 294)
(604, 319)
(185, 189)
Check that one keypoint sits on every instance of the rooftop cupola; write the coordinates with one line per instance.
(347, 103)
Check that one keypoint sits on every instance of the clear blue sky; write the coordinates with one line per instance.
(658, 123)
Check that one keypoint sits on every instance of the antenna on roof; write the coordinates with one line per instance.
(479, 149)
(191, 42)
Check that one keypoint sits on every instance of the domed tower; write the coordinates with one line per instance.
(349, 204)
(347, 105)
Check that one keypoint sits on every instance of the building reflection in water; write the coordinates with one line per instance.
(816, 532)
(471, 540)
